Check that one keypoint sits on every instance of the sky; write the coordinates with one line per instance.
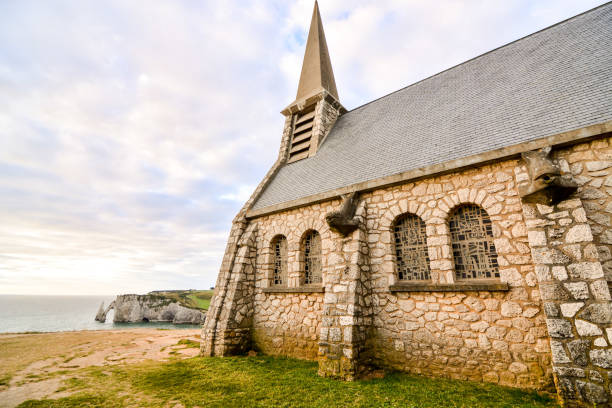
(131, 132)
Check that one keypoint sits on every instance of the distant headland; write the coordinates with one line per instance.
(174, 306)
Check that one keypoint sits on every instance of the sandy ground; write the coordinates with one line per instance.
(33, 362)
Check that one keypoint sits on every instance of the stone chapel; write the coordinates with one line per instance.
(458, 227)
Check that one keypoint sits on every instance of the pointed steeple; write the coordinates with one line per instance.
(317, 74)
(316, 107)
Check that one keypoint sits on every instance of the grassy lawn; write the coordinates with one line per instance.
(199, 299)
(271, 382)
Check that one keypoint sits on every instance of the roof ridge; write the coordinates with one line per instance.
(478, 56)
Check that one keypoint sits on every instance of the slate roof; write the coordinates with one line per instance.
(552, 81)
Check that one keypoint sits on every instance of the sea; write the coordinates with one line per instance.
(26, 313)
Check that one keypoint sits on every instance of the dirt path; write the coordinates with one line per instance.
(33, 366)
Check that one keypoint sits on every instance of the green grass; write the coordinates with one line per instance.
(189, 343)
(273, 382)
(5, 379)
(201, 299)
(84, 400)
(198, 299)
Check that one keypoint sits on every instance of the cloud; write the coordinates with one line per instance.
(132, 132)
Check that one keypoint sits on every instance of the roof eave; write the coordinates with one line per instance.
(566, 138)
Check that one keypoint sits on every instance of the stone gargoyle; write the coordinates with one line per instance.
(344, 221)
(546, 185)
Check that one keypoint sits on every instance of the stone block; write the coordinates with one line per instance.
(559, 273)
(514, 336)
(491, 377)
(530, 312)
(551, 309)
(324, 333)
(496, 332)
(578, 290)
(491, 304)
(598, 313)
(335, 334)
(600, 342)
(585, 328)
(547, 256)
(596, 376)
(570, 309)
(593, 393)
(566, 389)
(597, 165)
(517, 368)
(474, 303)
(543, 273)
(578, 351)
(522, 323)
(511, 309)
(553, 291)
(559, 355)
(601, 357)
(570, 372)
(511, 276)
(585, 270)
(559, 328)
(346, 320)
(600, 290)
(407, 305)
(579, 215)
(579, 233)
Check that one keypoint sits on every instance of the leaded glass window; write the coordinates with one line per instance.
(411, 258)
(279, 248)
(472, 242)
(311, 250)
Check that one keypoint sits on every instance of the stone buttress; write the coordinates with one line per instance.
(228, 322)
(575, 296)
(347, 312)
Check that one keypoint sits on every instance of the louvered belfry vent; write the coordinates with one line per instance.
(302, 135)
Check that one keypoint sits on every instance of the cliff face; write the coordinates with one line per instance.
(101, 315)
(151, 308)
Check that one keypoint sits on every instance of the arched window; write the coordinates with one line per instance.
(311, 258)
(279, 254)
(411, 258)
(472, 240)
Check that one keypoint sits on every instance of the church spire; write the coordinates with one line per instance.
(317, 74)
(316, 107)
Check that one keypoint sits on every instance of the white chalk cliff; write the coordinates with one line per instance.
(150, 308)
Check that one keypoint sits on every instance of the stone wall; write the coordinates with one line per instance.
(284, 319)
(486, 336)
(492, 336)
(288, 324)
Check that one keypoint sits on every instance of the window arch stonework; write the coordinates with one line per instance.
(410, 247)
(471, 233)
(311, 258)
(279, 261)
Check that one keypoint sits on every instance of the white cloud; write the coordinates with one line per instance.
(131, 132)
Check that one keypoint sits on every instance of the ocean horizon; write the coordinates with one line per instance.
(54, 313)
